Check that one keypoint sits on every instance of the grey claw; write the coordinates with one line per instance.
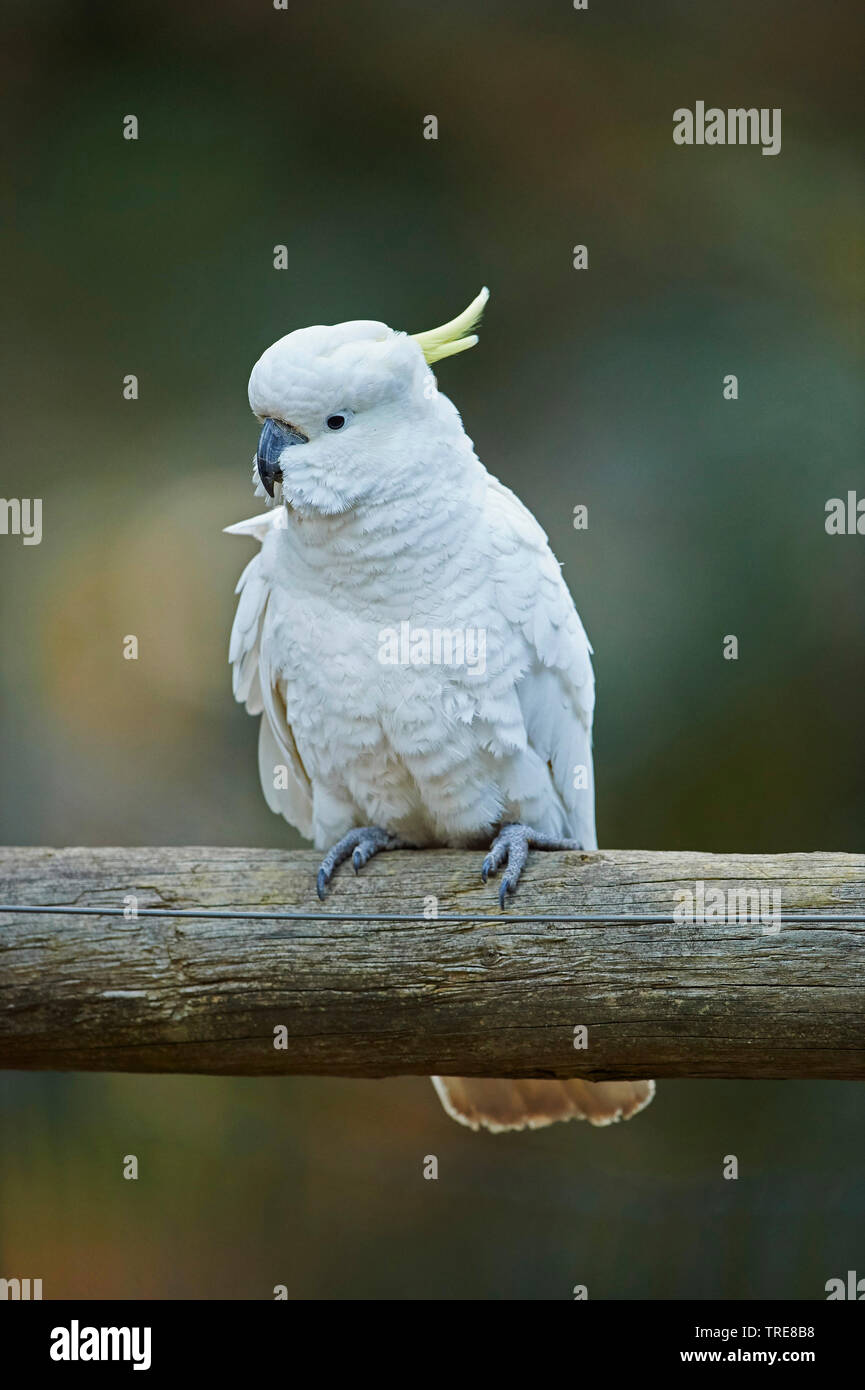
(360, 845)
(511, 847)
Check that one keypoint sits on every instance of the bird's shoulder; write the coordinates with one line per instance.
(530, 588)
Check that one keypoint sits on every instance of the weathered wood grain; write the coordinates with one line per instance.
(484, 998)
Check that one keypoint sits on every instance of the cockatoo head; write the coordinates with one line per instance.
(343, 409)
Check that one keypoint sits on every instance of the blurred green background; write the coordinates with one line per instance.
(602, 387)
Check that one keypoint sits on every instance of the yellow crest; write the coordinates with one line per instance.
(454, 336)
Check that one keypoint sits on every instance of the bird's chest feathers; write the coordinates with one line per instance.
(345, 674)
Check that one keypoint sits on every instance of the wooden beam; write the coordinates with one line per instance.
(486, 996)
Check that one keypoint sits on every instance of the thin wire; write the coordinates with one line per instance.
(646, 919)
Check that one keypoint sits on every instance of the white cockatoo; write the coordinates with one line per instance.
(407, 638)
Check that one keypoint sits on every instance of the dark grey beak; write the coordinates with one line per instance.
(272, 444)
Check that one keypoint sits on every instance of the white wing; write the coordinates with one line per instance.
(557, 692)
(284, 780)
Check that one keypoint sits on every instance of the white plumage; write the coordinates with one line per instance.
(387, 519)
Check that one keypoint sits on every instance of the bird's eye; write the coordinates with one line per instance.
(335, 422)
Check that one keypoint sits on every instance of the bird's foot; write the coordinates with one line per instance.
(361, 843)
(513, 843)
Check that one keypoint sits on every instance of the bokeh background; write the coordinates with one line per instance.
(602, 387)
